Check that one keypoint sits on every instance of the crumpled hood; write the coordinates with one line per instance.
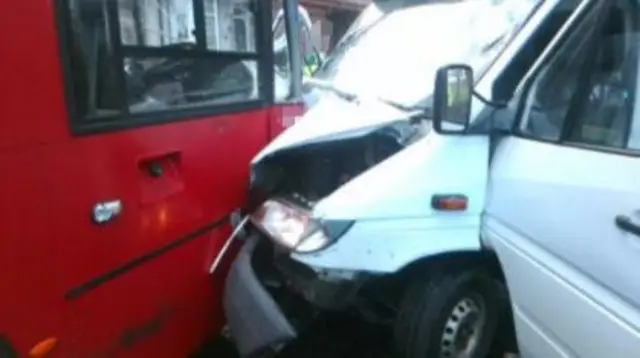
(333, 118)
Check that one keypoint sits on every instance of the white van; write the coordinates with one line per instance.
(432, 210)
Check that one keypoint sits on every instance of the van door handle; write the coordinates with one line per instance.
(625, 223)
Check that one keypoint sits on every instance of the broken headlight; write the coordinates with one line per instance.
(294, 227)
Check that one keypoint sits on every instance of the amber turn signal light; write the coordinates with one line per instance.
(450, 202)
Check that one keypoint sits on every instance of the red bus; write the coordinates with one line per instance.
(126, 129)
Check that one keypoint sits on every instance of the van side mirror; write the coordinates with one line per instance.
(452, 99)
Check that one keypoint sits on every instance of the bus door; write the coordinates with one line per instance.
(126, 135)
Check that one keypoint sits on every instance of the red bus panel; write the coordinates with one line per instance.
(136, 285)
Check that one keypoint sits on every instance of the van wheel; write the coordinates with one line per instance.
(448, 316)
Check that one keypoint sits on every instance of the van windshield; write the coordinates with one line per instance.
(393, 51)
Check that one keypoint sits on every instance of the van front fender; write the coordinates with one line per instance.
(386, 246)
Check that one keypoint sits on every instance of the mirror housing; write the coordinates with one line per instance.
(452, 99)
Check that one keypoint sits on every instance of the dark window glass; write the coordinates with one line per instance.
(587, 93)
(94, 66)
(157, 23)
(134, 56)
(165, 83)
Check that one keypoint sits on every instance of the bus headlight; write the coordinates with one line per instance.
(294, 228)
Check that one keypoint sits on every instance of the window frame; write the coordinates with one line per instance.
(524, 89)
(290, 21)
(125, 119)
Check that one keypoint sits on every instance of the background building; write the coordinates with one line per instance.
(229, 23)
(331, 18)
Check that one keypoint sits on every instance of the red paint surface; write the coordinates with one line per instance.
(50, 180)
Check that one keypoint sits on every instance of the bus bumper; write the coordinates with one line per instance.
(255, 320)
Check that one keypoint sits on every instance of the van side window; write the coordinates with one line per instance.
(506, 84)
(605, 112)
(131, 59)
(587, 92)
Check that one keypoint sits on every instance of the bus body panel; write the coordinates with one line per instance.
(137, 286)
(32, 100)
(48, 233)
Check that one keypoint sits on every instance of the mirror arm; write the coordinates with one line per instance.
(490, 103)
(320, 60)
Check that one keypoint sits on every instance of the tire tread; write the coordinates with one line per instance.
(422, 307)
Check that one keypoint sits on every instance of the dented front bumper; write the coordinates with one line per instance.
(254, 318)
(269, 296)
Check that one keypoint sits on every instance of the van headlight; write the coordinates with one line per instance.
(294, 228)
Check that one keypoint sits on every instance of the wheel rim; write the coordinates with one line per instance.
(463, 328)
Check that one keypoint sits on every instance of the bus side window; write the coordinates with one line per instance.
(93, 65)
(128, 59)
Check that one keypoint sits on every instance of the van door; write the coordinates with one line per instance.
(563, 212)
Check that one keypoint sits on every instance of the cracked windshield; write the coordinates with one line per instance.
(392, 50)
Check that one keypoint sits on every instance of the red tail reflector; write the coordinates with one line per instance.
(449, 202)
(43, 348)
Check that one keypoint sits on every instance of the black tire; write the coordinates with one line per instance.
(428, 305)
